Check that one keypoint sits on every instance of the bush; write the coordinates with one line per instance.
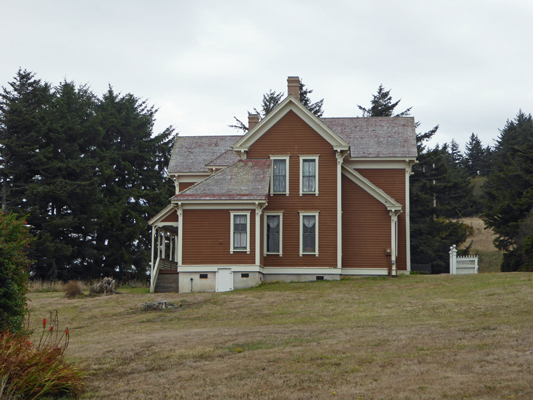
(32, 371)
(73, 289)
(14, 267)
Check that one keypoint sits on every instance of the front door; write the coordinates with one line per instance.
(224, 280)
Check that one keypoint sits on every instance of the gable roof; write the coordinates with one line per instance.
(290, 104)
(244, 180)
(376, 136)
(193, 153)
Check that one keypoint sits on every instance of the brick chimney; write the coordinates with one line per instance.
(293, 87)
(253, 120)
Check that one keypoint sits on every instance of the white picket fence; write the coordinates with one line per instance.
(462, 265)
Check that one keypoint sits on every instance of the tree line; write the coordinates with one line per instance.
(86, 172)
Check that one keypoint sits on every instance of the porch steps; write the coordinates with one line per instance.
(166, 283)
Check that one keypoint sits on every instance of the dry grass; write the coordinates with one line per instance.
(73, 289)
(483, 238)
(417, 337)
(490, 258)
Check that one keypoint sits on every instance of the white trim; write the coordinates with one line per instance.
(365, 271)
(180, 235)
(309, 157)
(300, 271)
(219, 204)
(215, 267)
(340, 156)
(287, 160)
(165, 212)
(373, 163)
(232, 224)
(284, 270)
(307, 213)
(280, 215)
(408, 216)
(373, 190)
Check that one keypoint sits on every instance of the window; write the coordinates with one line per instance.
(280, 175)
(309, 175)
(240, 231)
(308, 233)
(273, 233)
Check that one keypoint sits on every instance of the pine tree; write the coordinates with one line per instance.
(132, 184)
(509, 191)
(273, 98)
(474, 156)
(23, 112)
(435, 193)
(381, 105)
(87, 171)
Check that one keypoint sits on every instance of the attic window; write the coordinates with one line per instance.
(203, 276)
(245, 275)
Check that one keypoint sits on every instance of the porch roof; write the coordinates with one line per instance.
(244, 180)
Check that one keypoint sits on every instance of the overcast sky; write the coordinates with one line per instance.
(466, 65)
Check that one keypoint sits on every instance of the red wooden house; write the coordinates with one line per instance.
(297, 198)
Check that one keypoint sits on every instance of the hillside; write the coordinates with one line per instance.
(416, 337)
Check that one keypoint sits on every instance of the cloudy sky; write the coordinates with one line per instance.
(464, 65)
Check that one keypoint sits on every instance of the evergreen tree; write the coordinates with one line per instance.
(87, 171)
(273, 98)
(475, 156)
(436, 193)
(315, 108)
(23, 113)
(382, 105)
(132, 184)
(509, 191)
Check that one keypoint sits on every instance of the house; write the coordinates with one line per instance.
(296, 198)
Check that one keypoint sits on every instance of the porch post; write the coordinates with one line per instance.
(152, 253)
(180, 235)
(257, 234)
(393, 233)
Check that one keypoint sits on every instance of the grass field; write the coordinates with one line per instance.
(415, 337)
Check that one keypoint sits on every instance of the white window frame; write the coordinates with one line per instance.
(310, 157)
(287, 159)
(232, 225)
(305, 214)
(267, 214)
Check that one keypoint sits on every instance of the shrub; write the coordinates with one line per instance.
(14, 266)
(32, 371)
(73, 289)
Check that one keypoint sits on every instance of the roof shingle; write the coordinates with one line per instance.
(244, 180)
(192, 153)
(376, 136)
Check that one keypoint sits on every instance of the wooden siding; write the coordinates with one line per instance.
(185, 185)
(292, 136)
(392, 181)
(365, 228)
(206, 238)
(172, 217)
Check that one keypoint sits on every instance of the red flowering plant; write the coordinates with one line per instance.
(14, 271)
(29, 370)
